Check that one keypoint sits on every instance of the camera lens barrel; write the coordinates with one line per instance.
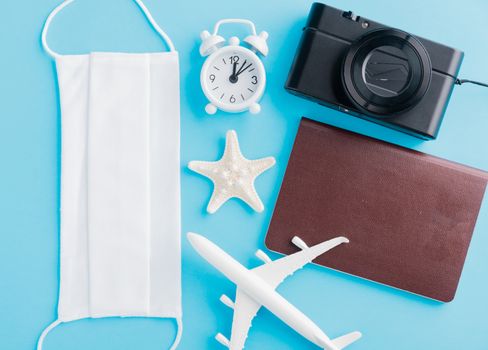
(386, 71)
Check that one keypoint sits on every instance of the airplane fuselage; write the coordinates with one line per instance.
(262, 293)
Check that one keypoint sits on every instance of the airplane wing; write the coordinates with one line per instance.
(275, 272)
(244, 312)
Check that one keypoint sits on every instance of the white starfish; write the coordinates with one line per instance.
(233, 175)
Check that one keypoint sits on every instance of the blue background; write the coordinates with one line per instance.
(30, 163)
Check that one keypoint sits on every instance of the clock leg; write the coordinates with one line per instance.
(210, 109)
(255, 108)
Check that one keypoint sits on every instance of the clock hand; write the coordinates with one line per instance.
(240, 68)
(233, 77)
(244, 68)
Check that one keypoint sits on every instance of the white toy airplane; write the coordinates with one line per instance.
(256, 288)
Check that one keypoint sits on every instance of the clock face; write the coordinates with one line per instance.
(233, 78)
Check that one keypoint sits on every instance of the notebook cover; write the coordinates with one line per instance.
(409, 216)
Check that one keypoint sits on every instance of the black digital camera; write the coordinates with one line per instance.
(379, 73)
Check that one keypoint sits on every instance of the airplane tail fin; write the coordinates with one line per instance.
(346, 340)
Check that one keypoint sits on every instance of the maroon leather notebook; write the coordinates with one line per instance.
(409, 216)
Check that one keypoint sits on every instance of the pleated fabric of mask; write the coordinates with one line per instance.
(120, 184)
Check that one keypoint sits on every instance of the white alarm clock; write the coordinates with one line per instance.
(233, 77)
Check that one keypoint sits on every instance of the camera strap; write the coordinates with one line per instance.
(467, 81)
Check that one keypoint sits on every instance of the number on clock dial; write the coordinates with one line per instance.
(233, 78)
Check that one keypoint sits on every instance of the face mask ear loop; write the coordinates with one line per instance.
(155, 26)
(45, 333)
(139, 3)
(178, 335)
(49, 328)
(46, 28)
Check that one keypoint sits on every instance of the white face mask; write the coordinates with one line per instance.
(120, 184)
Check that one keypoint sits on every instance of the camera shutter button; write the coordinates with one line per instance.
(350, 15)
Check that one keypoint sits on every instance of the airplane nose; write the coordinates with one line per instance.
(192, 237)
(197, 241)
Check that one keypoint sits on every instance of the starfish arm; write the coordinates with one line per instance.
(249, 195)
(232, 148)
(259, 166)
(203, 168)
(218, 198)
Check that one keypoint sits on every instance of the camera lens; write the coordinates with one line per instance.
(386, 71)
